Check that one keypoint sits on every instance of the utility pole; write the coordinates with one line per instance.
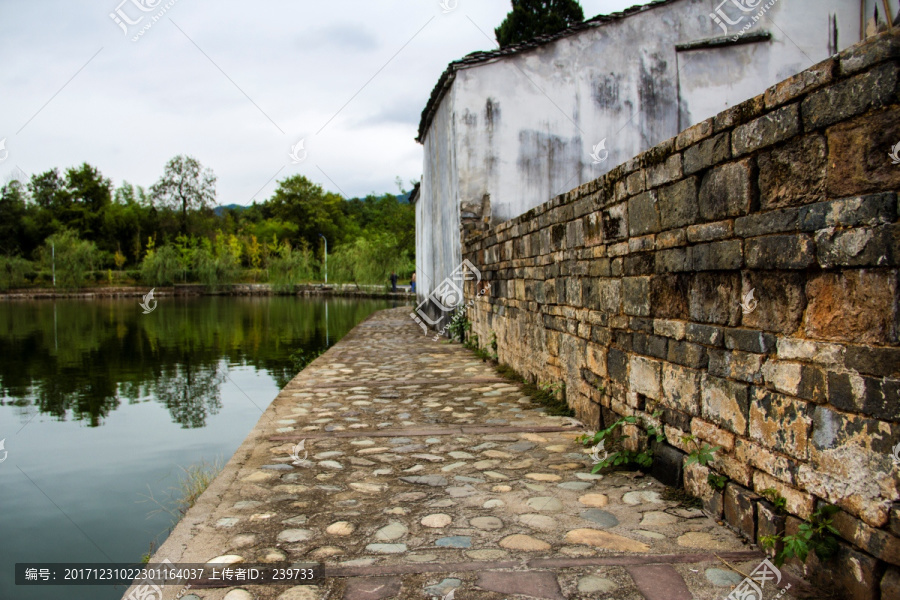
(326, 257)
(53, 254)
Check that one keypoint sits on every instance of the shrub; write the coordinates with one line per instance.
(13, 270)
(161, 266)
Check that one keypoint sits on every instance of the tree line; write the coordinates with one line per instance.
(75, 228)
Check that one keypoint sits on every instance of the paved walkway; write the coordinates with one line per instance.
(428, 473)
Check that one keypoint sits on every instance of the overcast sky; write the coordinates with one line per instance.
(235, 84)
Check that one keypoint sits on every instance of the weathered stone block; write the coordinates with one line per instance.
(714, 298)
(707, 153)
(638, 264)
(673, 260)
(615, 223)
(704, 334)
(794, 251)
(877, 542)
(743, 366)
(801, 83)
(853, 306)
(858, 247)
(664, 172)
(645, 374)
(643, 214)
(740, 510)
(681, 388)
(668, 464)
(855, 575)
(634, 183)
(769, 522)
(717, 256)
(871, 210)
(749, 340)
(688, 354)
(890, 584)
(670, 239)
(678, 203)
(693, 134)
(739, 113)
(636, 296)
(727, 190)
(777, 465)
(880, 362)
(851, 97)
(796, 379)
(651, 345)
(707, 232)
(879, 48)
(695, 481)
(669, 296)
(708, 432)
(617, 365)
(725, 403)
(849, 463)
(781, 300)
(573, 291)
(592, 228)
(603, 294)
(879, 398)
(776, 126)
(780, 423)
(793, 174)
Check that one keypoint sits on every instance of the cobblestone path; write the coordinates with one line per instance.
(427, 473)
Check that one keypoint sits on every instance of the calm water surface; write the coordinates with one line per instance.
(101, 406)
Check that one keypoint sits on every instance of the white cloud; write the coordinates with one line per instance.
(237, 89)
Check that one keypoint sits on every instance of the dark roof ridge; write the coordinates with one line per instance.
(485, 56)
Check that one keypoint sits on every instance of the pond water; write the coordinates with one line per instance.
(102, 406)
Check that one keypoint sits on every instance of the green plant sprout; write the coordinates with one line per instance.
(622, 456)
(701, 455)
(817, 535)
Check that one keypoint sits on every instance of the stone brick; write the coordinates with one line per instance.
(678, 203)
(693, 134)
(708, 432)
(670, 239)
(890, 584)
(852, 306)
(643, 243)
(808, 350)
(749, 340)
(781, 300)
(634, 183)
(801, 83)
(717, 256)
(704, 334)
(773, 127)
(714, 298)
(780, 423)
(664, 172)
(617, 365)
(879, 398)
(695, 481)
(740, 510)
(638, 264)
(573, 291)
(727, 190)
(714, 505)
(707, 153)
(797, 379)
(769, 522)
(858, 247)
(851, 97)
(855, 575)
(636, 296)
(880, 362)
(792, 251)
(882, 47)
(871, 210)
(668, 464)
(739, 113)
(849, 463)
(645, 376)
(879, 543)
(688, 354)
(725, 403)
(673, 260)
(681, 388)
(806, 218)
(797, 502)
(793, 174)
(669, 296)
(743, 366)
(643, 214)
(670, 329)
(651, 345)
(615, 223)
(710, 231)
(592, 228)
(603, 294)
(777, 465)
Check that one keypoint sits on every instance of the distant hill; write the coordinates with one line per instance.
(220, 210)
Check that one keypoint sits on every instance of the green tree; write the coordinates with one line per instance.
(290, 267)
(12, 271)
(185, 184)
(315, 211)
(531, 18)
(12, 214)
(71, 257)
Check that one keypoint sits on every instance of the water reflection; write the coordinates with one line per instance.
(76, 359)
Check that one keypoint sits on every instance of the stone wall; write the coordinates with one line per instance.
(629, 289)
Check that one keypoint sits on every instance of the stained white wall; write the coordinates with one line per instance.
(522, 128)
